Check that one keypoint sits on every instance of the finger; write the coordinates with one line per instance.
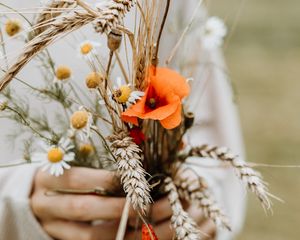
(78, 208)
(80, 231)
(78, 178)
(161, 210)
(209, 229)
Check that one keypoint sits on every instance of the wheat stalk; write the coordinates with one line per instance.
(50, 12)
(130, 170)
(108, 17)
(248, 175)
(196, 192)
(185, 227)
(112, 15)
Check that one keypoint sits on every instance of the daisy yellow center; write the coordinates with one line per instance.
(79, 119)
(63, 73)
(86, 150)
(55, 155)
(86, 48)
(12, 27)
(93, 80)
(122, 94)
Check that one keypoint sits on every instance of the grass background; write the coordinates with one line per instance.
(263, 56)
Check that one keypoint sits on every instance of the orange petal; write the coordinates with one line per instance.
(167, 80)
(172, 121)
(139, 110)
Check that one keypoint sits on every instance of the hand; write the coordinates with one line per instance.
(161, 214)
(69, 216)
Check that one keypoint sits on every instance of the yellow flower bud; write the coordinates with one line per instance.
(93, 80)
(86, 149)
(12, 27)
(86, 48)
(63, 73)
(79, 119)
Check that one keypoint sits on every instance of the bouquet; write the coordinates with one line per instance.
(133, 125)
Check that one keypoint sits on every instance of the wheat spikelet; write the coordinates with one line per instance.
(49, 13)
(140, 73)
(112, 12)
(196, 192)
(62, 27)
(130, 170)
(184, 226)
(248, 175)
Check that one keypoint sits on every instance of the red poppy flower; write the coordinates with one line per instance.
(137, 135)
(146, 234)
(162, 99)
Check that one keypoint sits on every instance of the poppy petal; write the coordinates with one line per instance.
(172, 121)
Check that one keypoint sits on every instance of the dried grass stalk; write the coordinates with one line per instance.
(130, 170)
(62, 27)
(50, 12)
(248, 175)
(185, 227)
(196, 192)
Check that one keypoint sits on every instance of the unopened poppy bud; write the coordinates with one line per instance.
(189, 119)
(114, 39)
(94, 79)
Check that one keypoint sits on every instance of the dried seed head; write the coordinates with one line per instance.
(63, 73)
(79, 119)
(55, 155)
(93, 79)
(86, 150)
(12, 27)
(114, 39)
(122, 94)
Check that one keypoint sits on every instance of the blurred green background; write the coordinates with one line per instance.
(263, 56)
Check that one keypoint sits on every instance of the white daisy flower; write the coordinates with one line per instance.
(213, 33)
(88, 49)
(55, 158)
(63, 74)
(124, 94)
(81, 123)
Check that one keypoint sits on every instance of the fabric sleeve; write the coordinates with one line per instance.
(16, 218)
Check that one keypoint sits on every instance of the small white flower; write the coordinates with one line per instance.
(55, 158)
(88, 49)
(81, 123)
(213, 33)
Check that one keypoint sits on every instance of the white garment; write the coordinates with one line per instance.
(216, 123)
